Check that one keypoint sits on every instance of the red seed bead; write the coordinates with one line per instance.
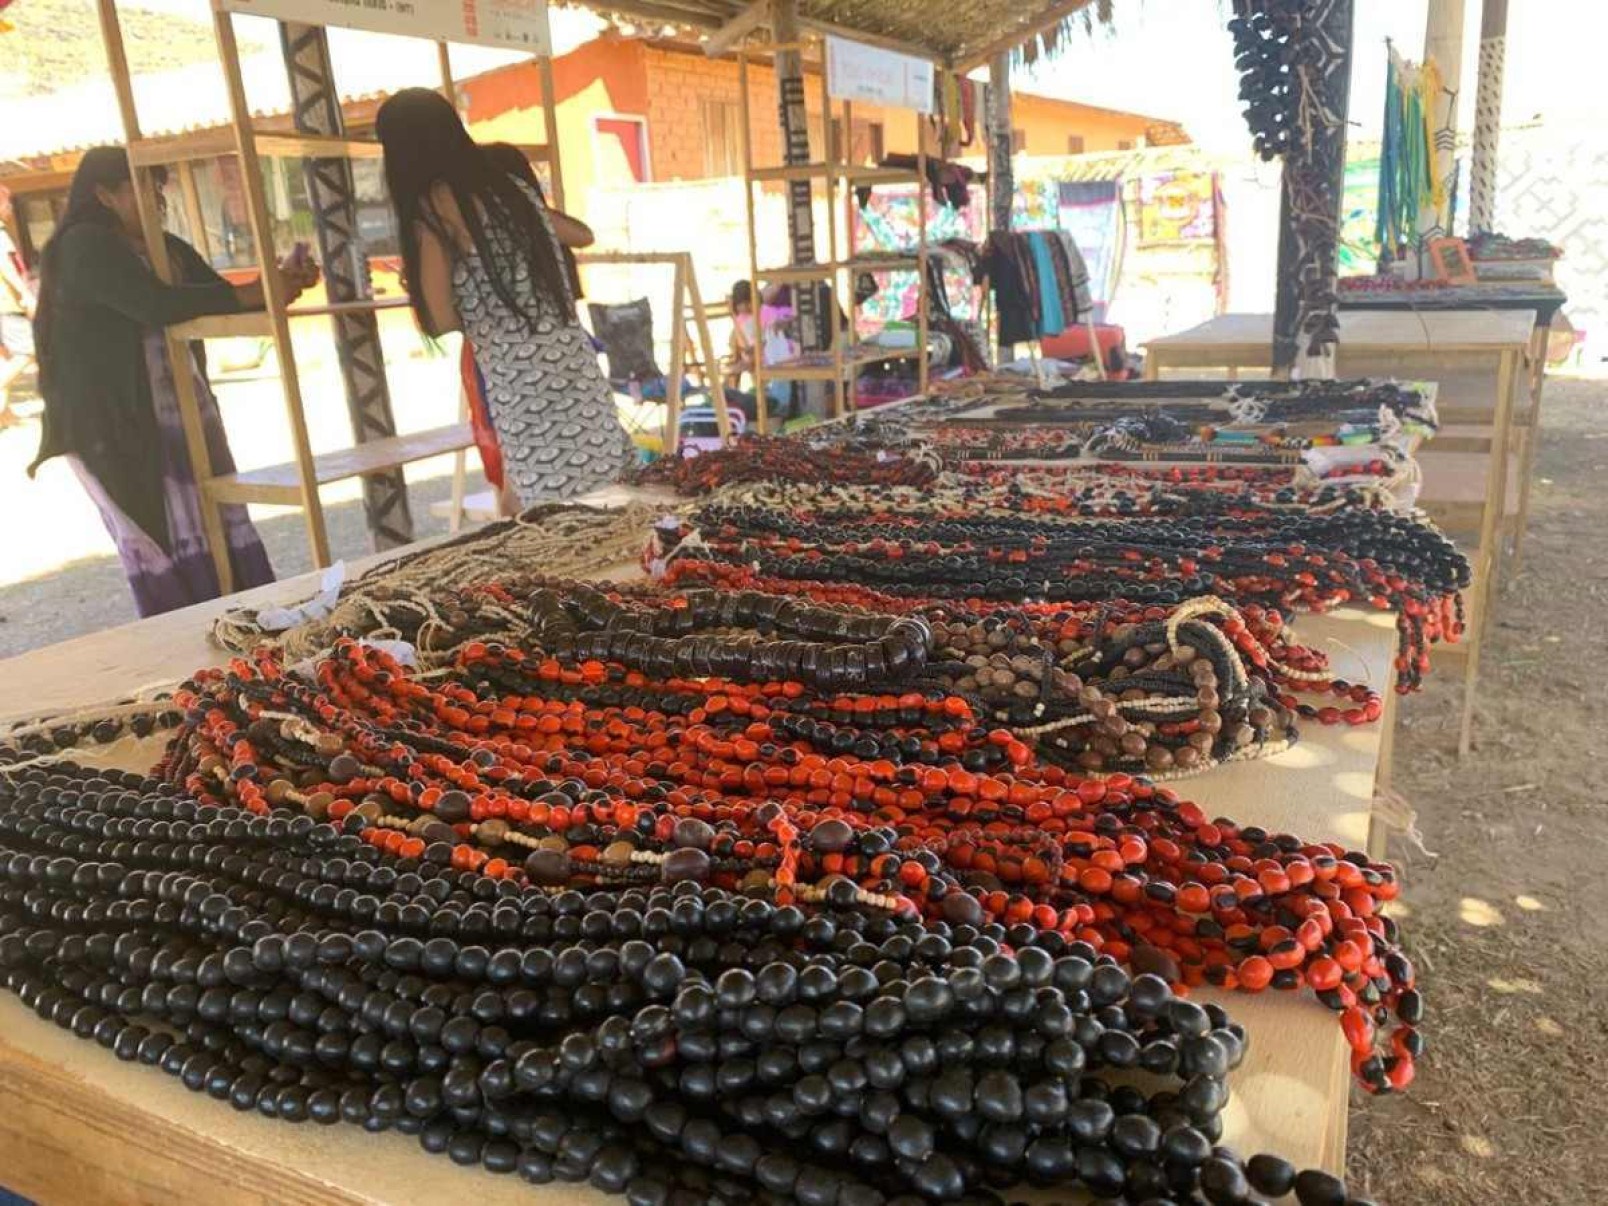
(1323, 974)
(1254, 973)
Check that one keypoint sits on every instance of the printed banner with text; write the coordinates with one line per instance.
(857, 72)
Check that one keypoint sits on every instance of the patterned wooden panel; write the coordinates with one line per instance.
(1551, 184)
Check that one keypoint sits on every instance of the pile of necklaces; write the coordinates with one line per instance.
(1265, 423)
(709, 897)
(839, 863)
(1365, 426)
(1055, 536)
(1196, 684)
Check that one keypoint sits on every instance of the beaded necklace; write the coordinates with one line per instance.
(1021, 662)
(583, 775)
(988, 542)
(674, 1044)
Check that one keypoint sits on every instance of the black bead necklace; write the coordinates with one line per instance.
(676, 1045)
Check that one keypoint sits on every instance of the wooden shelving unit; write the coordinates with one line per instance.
(840, 364)
(297, 482)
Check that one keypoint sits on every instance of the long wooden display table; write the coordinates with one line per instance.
(79, 1126)
(1245, 341)
(1484, 362)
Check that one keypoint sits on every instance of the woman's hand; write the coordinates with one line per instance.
(297, 274)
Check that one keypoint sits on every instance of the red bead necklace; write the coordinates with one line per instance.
(588, 775)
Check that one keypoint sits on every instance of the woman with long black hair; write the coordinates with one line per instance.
(481, 255)
(108, 386)
(571, 233)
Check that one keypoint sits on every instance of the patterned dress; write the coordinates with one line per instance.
(553, 411)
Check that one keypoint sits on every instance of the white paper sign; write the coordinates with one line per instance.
(514, 24)
(857, 72)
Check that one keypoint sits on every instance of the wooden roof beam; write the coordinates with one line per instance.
(1048, 19)
(753, 18)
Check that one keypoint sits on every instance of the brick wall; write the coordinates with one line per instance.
(679, 80)
(670, 85)
(677, 84)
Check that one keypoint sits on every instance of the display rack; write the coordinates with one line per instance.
(689, 324)
(837, 274)
(297, 482)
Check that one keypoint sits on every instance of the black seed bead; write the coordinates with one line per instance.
(1314, 1187)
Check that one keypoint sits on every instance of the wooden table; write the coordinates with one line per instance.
(80, 1126)
(1477, 357)
(1446, 346)
(1235, 342)
(1544, 300)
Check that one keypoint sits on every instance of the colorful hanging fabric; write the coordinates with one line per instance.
(1406, 159)
(1431, 85)
(1053, 321)
(1040, 283)
(1078, 299)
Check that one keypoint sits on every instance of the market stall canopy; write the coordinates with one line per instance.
(964, 35)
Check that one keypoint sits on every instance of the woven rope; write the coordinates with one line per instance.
(547, 542)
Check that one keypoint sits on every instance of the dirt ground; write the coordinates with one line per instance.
(1497, 915)
(1508, 841)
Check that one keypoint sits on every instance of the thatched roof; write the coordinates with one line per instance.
(964, 33)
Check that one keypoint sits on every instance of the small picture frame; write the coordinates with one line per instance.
(1450, 262)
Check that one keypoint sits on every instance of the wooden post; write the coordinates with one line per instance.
(755, 296)
(460, 459)
(949, 136)
(706, 346)
(678, 357)
(1001, 172)
(1487, 116)
(192, 208)
(923, 283)
(1305, 315)
(444, 64)
(1443, 42)
(845, 379)
(555, 166)
(794, 114)
(273, 297)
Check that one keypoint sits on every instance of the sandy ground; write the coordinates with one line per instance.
(59, 574)
(1498, 909)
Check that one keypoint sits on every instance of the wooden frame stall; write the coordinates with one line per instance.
(687, 317)
(297, 482)
(1545, 300)
(837, 274)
